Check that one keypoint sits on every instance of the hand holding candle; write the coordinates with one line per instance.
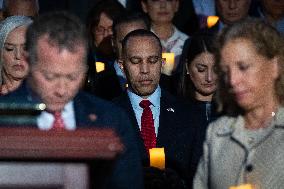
(157, 158)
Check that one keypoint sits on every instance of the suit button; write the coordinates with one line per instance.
(249, 168)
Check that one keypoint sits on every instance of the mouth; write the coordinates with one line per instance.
(19, 67)
(163, 13)
(145, 81)
(233, 15)
(209, 85)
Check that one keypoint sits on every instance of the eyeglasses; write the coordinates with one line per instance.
(101, 30)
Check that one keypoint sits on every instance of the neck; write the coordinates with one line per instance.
(201, 97)
(261, 117)
(163, 31)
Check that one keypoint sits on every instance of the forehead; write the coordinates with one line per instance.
(204, 58)
(17, 33)
(105, 20)
(140, 45)
(47, 49)
(239, 50)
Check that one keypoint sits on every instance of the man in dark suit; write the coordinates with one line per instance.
(169, 123)
(57, 48)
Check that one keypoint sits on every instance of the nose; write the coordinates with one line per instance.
(210, 75)
(144, 68)
(61, 87)
(232, 4)
(107, 32)
(19, 53)
(234, 78)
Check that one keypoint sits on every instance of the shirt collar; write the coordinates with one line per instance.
(154, 98)
(173, 37)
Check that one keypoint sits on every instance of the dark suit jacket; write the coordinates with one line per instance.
(127, 171)
(104, 84)
(175, 132)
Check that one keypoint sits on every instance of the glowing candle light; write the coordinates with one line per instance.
(100, 66)
(212, 20)
(243, 186)
(169, 62)
(157, 158)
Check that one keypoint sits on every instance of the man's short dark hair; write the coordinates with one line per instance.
(140, 33)
(130, 17)
(62, 29)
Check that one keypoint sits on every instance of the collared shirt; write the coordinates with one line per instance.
(120, 74)
(174, 44)
(155, 107)
(45, 119)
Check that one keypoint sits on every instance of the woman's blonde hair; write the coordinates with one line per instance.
(267, 41)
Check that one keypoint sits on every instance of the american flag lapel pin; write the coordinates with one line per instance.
(170, 110)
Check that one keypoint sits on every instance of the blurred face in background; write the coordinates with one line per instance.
(232, 11)
(58, 73)
(123, 29)
(103, 29)
(274, 8)
(160, 11)
(249, 75)
(202, 74)
(22, 7)
(15, 65)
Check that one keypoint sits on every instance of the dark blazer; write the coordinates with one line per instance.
(128, 170)
(175, 133)
(104, 84)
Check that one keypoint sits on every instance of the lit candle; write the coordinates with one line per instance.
(212, 20)
(100, 66)
(243, 186)
(169, 62)
(157, 158)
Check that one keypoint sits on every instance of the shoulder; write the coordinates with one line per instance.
(91, 101)
(122, 99)
(182, 36)
(170, 100)
(19, 95)
(222, 126)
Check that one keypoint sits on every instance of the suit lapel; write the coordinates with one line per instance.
(82, 112)
(167, 121)
(125, 102)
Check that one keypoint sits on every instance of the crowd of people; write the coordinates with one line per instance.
(218, 113)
